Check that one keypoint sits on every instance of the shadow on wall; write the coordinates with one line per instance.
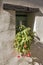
(30, 19)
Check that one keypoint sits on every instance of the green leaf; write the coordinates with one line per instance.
(24, 36)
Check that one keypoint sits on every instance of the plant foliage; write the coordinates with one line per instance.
(23, 39)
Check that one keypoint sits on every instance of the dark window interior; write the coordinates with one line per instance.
(21, 19)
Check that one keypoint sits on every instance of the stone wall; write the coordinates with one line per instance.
(27, 3)
(7, 35)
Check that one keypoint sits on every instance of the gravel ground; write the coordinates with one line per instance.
(36, 52)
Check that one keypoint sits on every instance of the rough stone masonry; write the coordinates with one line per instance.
(7, 34)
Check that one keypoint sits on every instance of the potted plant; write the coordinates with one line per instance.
(23, 40)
